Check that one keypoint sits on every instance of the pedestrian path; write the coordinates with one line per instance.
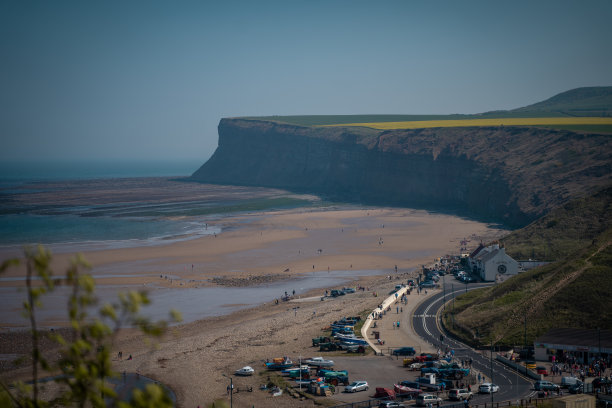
(393, 311)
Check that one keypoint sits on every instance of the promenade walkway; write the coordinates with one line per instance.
(392, 336)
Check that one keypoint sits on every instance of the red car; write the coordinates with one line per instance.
(541, 370)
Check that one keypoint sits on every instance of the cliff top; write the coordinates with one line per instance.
(575, 103)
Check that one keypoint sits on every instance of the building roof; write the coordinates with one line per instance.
(578, 337)
(477, 250)
(489, 255)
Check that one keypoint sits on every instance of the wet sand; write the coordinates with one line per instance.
(192, 357)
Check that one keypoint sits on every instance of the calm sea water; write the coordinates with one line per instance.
(15, 173)
(49, 224)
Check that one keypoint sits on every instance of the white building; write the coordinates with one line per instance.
(492, 263)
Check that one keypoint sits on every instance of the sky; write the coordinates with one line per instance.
(150, 80)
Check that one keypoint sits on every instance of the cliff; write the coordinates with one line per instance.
(511, 175)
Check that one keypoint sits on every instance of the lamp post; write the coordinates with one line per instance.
(491, 371)
(453, 313)
(231, 390)
(444, 288)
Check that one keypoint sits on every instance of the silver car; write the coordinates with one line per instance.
(356, 386)
(488, 388)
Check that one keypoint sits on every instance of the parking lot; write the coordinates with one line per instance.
(378, 371)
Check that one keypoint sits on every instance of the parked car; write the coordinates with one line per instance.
(567, 382)
(428, 284)
(459, 394)
(545, 386)
(541, 370)
(357, 386)
(336, 293)
(424, 400)
(348, 290)
(577, 388)
(404, 351)
(488, 388)
(601, 381)
(391, 404)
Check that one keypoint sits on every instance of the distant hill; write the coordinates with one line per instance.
(588, 101)
(591, 101)
(572, 292)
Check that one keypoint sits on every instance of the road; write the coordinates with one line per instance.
(425, 322)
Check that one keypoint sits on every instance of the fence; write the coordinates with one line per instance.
(525, 403)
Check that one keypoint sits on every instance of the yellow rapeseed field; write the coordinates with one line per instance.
(484, 122)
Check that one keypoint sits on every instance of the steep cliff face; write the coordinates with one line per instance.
(503, 174)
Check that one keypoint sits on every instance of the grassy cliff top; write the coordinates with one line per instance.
(576, 103)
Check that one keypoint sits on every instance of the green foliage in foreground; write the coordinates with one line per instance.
(571, 292)
(85, 353)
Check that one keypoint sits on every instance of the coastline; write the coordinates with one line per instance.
(275, 243)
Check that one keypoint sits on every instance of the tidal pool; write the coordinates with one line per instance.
(193, 303)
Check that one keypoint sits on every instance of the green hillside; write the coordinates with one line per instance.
(591, 101)
(564, 230)
(574, 291)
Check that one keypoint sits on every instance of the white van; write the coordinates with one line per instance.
(569, 381)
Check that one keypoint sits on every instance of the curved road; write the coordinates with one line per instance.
(425, 322)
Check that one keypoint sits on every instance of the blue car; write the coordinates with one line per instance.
(404, 351)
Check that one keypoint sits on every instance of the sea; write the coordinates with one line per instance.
(101, 204)
(74, 207)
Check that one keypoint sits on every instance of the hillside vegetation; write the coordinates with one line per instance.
(571, 292)
(588, 101)
(564, 230)
(577, 122)
(576, 103)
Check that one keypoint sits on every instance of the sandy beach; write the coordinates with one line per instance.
(263, 247)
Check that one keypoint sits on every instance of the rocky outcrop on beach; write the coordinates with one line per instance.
(511, 175)
(247, 281)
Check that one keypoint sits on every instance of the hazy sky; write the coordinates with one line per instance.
(151, 79)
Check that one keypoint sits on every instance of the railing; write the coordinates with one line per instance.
(525, 403)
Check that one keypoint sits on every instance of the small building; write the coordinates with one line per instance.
(583, 345)
(492, 263)
(574, 401)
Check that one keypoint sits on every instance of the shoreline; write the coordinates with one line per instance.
(284, 243)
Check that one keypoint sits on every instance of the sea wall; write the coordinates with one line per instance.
(497, 174)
